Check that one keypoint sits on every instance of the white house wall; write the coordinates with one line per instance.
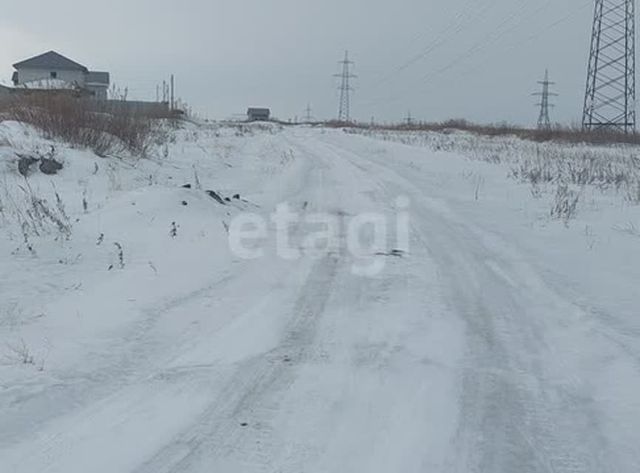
(28, 75)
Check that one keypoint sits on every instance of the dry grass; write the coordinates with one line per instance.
(563, 168)
(32, 215)
(570, 134)
(75, 121)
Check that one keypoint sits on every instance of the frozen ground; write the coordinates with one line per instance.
(133, 339)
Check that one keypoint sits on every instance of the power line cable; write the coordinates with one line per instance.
(486, 40)
(456, 26)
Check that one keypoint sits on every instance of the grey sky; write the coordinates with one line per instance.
(482, 61)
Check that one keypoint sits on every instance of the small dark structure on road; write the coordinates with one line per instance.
(258, 114)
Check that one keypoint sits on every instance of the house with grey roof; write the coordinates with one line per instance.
(258, 114)
(53, 70)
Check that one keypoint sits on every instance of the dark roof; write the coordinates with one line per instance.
(95, 77)
(259, 111)
(50, 60)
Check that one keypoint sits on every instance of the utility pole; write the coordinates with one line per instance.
(173, 103)
(544, 123)
(344, 110)
(609, 102)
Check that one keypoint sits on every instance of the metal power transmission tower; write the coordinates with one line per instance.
(609, 101)
(544, 123)
(344, 111)
(409, 120)
(308, 117)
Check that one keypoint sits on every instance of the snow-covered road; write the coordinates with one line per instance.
(472, 352)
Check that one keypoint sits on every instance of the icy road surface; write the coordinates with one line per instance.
(496, 344)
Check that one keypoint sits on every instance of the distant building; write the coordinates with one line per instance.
(54, 71)
(258, 114)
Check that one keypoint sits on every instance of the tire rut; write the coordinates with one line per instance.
(511, 419)
(220, 433)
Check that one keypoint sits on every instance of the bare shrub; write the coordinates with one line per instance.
(77, 121)
(565, 203)
(20, 353)
(119, 256)
(35, 216)
(629, 229)
(633, 193)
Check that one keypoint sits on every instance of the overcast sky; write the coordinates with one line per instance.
(474, 59)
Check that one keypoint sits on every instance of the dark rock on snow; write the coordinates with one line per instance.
(25, 163)
(50, 166)
(215, 196)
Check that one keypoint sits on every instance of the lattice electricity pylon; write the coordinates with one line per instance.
(610, 96)
(308, 117)
(344, 111)
(544, 122)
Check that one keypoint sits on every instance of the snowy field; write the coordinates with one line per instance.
(501, 334)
